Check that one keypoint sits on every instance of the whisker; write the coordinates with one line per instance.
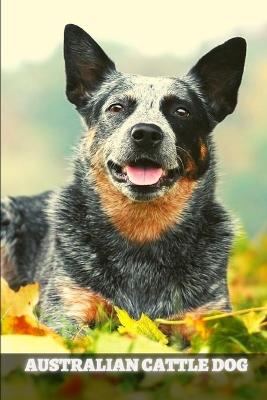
(185, 151)
(179, 159)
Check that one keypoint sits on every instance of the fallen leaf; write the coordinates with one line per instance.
(144, 326)
(253, 321)
(195, 323)
(19, 303)
(32, 344)
(23, 325)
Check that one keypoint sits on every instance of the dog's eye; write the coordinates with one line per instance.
(115, 108)
(182, 112)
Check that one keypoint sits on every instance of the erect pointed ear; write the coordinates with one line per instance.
(85, 62)
(219, 74)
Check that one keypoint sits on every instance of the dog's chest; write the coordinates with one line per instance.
(142, 281)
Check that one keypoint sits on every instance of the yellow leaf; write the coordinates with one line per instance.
(253, 321)
(18, 303)
(20, 323)
(195, 322)
(24, 325)
(17, 311)
(144, 326)
(124, 317)
(148, 328)
(32, 344)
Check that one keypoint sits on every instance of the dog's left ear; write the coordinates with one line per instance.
(86, 64)
(219, 75)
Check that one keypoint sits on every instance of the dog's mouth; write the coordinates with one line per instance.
(143, 173)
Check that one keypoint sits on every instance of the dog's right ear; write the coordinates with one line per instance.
(219, 74)
(85, 62)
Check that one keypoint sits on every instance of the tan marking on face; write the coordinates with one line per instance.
(191, 167)
(137, 221)
(203, 151)
(83, 305)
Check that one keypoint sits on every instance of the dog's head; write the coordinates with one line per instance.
(145, 134)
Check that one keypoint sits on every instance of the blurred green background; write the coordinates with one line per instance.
(40, 128)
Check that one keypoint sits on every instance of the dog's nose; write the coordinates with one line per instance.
(146, 135)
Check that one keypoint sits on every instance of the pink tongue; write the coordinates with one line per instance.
(143, 176)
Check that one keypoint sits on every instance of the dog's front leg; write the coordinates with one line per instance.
(66, 307)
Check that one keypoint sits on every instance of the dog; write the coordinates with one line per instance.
(139, 225)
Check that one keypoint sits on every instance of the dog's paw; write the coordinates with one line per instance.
(10, 220)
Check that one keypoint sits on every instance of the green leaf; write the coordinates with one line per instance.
(115, 343)
(229, 335)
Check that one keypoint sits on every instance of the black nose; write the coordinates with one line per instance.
(146, 135)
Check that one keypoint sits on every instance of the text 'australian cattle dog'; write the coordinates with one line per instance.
(139, 226)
